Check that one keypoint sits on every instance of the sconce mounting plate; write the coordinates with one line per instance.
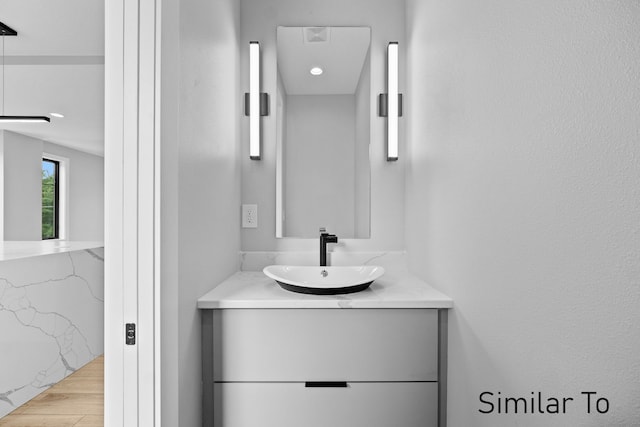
(383, 105)
(264, 104)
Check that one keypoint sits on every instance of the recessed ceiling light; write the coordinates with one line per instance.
(316, 71)
(58, 115)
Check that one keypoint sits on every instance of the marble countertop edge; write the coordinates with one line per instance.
(10, 250)
(285, 304)
(254, 290)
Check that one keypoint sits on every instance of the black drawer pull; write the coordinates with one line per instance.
(334, 384)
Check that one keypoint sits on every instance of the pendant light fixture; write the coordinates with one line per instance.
(4, 32)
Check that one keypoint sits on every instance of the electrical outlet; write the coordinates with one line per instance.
(249, 216)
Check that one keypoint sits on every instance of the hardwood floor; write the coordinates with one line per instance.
(76, 401)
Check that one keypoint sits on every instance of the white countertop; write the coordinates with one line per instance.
(25, 249)
(252, 289)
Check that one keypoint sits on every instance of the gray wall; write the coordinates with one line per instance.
(200, 184)
(86, 192)
(523, 199)
(22, 185)
(362, 184)
(319, 157)
(22, 182)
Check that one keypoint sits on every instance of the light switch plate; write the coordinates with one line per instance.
(249, 216)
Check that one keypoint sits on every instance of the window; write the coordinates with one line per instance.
(50, 199)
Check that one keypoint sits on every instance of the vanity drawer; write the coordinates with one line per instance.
(357, 405)
(325, 345)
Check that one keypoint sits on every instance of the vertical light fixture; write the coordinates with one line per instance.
(6, 31)
(254, 100)
(390, 103)
(256, 103)
(392, 88)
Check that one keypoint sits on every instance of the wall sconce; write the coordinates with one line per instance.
(256, 103)
(390, 103)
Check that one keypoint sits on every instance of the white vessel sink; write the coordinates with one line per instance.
(324, 280)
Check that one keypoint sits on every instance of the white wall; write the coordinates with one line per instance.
(86, 192)
(523, 199)
(22, 186)
(319, 165)
(170, 284)
(259, 20)
(281, 140)
(362, 190)
(200, 184)
(22, 181)
(1, 186)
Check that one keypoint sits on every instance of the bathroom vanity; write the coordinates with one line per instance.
(375, 358)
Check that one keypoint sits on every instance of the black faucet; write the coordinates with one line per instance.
(324, 239)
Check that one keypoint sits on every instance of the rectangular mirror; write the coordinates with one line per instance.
(323, 114)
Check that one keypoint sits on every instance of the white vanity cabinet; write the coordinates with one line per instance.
(358, 405)
(322, 367)
(272, 365)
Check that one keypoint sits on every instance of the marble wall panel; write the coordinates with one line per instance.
(51, 321)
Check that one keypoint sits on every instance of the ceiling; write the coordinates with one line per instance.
(55, 64)
(341, 53)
